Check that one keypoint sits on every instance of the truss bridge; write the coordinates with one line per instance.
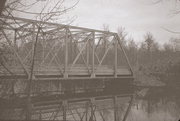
(49, 66)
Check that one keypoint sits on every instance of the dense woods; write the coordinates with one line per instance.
(151, 54)
(151, 58)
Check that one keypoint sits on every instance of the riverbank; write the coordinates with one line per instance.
(145, 79)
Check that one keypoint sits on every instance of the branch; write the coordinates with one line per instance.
(39, 13)
(174, 32)
(158, 1)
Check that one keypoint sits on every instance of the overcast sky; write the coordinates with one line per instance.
(136, 16)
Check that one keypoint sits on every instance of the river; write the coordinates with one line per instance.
(159, 104)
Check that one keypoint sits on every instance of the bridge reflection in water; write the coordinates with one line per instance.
(98, 108)
(62, 72)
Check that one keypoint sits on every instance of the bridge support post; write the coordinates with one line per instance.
(115, 58)
(93, 53)
(87, 53)
(66, 55)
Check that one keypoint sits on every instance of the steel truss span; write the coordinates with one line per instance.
(49, 50)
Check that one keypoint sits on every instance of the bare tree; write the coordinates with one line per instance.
(132, 51)
(167, 47)
(48, 10)
(51, 10)
(174, 11)
(106, 27)
(149, 40)
(175, 43)
(122, 35)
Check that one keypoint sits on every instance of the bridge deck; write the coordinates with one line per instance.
(78, 71)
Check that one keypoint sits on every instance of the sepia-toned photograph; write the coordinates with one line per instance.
(90, 60)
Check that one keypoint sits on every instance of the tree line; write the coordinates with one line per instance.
(151, 55)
